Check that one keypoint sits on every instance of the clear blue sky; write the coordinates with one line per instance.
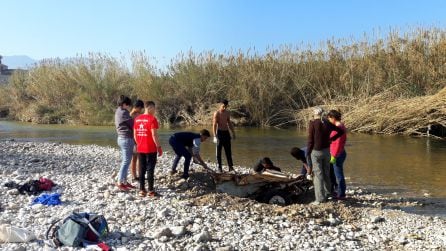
(58, 28)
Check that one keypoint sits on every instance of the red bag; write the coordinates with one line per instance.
(46, 184)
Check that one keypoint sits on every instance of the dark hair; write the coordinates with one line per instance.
(139, 104)
(334, 114)
(124, 100)
(267, 161)
(149, 104)
(224, 102)
(205, 133)
(295, 152)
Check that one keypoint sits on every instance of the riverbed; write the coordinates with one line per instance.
(190, 215)
(398, 165)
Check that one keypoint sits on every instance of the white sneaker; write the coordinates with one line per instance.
(315, 203)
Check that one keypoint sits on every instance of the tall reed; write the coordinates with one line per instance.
(265, 89)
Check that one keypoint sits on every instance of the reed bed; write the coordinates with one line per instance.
(265, 89)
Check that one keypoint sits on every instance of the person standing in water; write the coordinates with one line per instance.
(221, 125)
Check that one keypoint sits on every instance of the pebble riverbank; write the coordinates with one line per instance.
(191, 216)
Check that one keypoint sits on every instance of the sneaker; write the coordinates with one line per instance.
(128, 185)
(340, 197)
(315, 203)
(219, 170)
(122, 187)
(142, 193)
(231, 169)
(173, 172)
(152, 194)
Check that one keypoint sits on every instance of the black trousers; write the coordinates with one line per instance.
(147, 162)
(224, 141)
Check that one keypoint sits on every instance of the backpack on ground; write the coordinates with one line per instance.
(79, 229)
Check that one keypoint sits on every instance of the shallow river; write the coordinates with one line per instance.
(405, 165)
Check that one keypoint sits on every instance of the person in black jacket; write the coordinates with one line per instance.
(187, 145)
(264, 165)
(318, 148)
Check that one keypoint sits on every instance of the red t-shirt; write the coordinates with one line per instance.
(143, 130)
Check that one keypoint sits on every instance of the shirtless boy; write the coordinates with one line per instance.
(221, 125)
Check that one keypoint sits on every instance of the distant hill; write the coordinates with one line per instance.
(18, 61)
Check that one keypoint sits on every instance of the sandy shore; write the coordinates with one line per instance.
(191, 216)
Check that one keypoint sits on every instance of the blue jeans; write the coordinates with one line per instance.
(339, 173)
(126, 145)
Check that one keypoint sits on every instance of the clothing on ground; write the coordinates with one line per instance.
(48, 199)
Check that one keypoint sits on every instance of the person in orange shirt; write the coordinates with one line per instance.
(147, 146)
(137, 110)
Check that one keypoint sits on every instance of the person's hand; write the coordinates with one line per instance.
(160, 151)
(215, 140)
(332, 160)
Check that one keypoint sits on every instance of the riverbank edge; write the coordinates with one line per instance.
(375, 213)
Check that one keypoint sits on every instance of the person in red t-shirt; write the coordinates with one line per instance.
(148, 146)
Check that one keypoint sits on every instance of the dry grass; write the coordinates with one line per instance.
(264, 89)
(387, 113)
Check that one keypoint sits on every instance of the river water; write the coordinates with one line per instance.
(391, 164)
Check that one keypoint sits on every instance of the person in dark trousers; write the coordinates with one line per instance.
(147, 147)
(187, 145)
(221, 125)
(319, 139)
(137, 110)
(264, 165)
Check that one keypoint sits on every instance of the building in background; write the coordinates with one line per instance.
(5, 72)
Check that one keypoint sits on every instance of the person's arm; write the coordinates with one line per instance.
(310, 141)
(231, 126)
(157, 142)
(258, 168)
(335, 128)
(275, 168)
(214, 124)
(134, 133)
(214, 127)
(196, 153)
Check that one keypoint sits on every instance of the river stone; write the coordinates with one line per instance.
(204, 236)
(178, 231)
(376, 219)
(164, 231)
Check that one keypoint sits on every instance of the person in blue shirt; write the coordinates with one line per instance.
(302, 155)
(187, 145)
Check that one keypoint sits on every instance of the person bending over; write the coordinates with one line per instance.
(181, 142)
(265, 164)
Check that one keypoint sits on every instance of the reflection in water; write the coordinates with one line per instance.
(417, 165)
